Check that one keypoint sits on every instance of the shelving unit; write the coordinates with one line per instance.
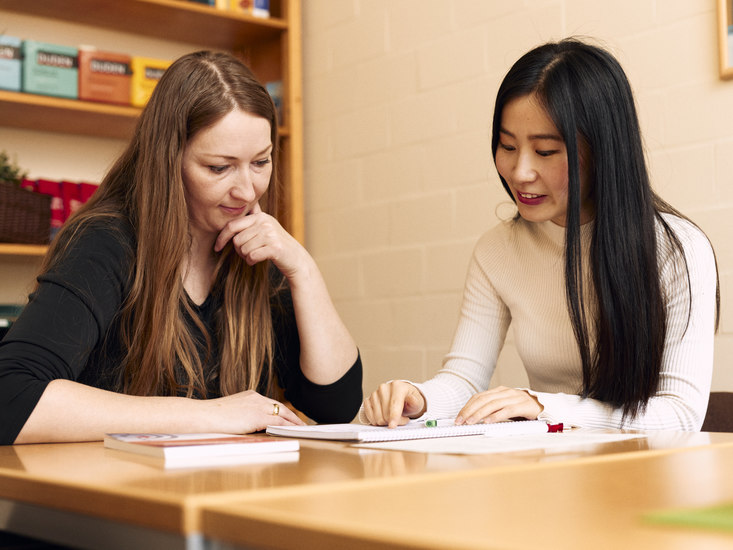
(12, 249)
(271, 47)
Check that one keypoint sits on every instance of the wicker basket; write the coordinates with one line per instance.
(25, 216)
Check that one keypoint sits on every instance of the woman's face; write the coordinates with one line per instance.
(533, 160)
(226, 169)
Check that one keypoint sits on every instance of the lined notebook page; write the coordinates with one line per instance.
(412, 430)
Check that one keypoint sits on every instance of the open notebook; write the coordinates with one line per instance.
(411, 430)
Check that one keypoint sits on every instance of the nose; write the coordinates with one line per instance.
(243, 189)
(524, 169)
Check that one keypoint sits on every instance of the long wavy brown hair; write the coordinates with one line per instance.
(145, 187)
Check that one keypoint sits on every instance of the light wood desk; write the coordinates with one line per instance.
(596, 502)
(87, 496)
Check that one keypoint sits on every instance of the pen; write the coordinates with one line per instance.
(435, 423)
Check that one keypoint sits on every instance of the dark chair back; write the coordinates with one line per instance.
(719, 417)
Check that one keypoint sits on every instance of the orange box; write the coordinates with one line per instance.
(104, 76)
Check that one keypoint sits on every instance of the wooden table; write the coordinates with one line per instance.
(596, 501)
(84, 495)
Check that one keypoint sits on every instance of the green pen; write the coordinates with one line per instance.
(434, 423)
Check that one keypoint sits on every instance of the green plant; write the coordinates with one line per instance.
(10, 172)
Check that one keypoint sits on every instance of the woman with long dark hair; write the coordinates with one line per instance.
(611, 292)
(174, 301)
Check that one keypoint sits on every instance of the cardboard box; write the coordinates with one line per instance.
(145, 75)
(10, 62)
(50, 69)
(104, 76)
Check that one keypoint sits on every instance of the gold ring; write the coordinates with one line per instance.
(275, 409)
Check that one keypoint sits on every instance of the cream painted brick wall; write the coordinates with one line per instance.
(400, 184)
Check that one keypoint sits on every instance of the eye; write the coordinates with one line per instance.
(218, 169)
(262, 162)
(548, 153)
(506, 147)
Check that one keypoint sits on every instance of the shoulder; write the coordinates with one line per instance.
(108, 236)
(685, 252)
(94, 248)
(692, 239)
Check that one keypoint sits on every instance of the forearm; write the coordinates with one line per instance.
(327, 349)
(69, 411)
(667, 412)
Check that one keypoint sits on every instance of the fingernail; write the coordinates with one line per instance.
(459, 420)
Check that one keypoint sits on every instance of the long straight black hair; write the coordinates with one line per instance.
(588, 97)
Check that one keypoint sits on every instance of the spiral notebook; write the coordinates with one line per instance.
(412, 430)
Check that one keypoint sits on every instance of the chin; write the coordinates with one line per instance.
(533, 217)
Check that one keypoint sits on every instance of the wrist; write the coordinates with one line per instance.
(303, 273)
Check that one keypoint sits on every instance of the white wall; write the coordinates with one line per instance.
(398, 98)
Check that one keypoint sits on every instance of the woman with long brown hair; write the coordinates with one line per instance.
(173, 301)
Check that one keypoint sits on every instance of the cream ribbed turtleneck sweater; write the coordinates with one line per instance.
(516, 276)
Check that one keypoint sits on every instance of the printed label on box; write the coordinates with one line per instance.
(10, 63)
(145, 75)
(104, 77)
(50, 69)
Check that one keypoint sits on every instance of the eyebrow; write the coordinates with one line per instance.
(267, 150)
(555, 137)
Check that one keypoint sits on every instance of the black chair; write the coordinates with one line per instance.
(719, 416)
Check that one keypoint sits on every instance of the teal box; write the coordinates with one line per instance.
(50, 69)
(10, 62)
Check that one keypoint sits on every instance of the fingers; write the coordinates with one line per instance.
(258, 237)
(499, 405)
(392, 403)
(236, 226)
(284, 415)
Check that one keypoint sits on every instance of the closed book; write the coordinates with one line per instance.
(70, 198)
(53, 188)
(189, 448)
(86, 190)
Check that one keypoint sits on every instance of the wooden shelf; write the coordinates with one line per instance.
(12, 249)
(173, 20)
(69, 116)
(270, 46)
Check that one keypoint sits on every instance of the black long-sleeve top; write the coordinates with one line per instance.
(70, 330)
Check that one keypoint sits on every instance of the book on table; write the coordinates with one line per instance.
(412, 430)
(203, 448)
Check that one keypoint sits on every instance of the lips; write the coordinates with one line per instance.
(530, 198)
(234, 210)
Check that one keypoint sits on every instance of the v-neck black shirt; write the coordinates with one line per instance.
(70, 328)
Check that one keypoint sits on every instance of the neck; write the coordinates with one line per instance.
(198, 270)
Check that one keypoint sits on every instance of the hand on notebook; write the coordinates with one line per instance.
(246, 412)
(394, 404)
(499, 404)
